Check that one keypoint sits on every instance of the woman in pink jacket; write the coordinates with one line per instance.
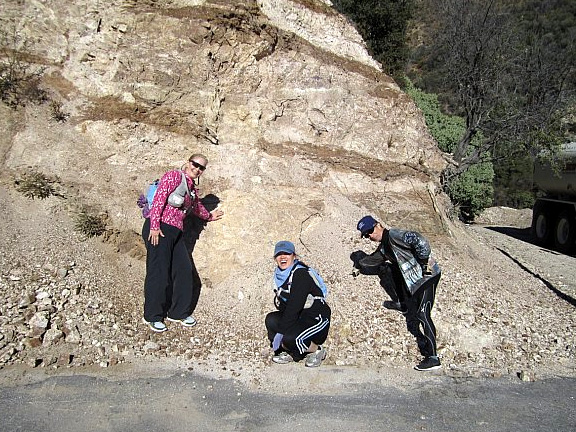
(168, 287)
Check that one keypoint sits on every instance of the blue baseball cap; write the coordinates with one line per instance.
(366, 224)
(284, 246)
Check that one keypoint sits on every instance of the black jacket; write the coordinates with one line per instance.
(297, 299)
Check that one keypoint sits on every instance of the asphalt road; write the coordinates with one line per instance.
(188, 402)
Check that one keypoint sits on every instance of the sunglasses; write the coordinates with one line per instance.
(366, 234)
(197, 165)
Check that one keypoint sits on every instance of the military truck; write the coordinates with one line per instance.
(554, 213)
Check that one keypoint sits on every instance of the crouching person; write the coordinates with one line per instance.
(300, 326)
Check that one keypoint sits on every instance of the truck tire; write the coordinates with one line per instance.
(541, 226)
(565, 232)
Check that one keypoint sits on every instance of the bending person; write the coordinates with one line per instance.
(414, 278)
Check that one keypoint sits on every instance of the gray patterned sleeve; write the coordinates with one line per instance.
(419, 245)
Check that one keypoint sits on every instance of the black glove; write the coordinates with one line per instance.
(356, 256)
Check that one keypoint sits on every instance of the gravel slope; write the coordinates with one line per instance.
(73, 302)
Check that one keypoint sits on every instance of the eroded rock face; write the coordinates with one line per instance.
(299, 124)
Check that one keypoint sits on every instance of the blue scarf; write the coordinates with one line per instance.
(280, 275)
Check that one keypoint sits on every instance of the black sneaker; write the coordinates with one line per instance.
(394, 306)
(428, 364)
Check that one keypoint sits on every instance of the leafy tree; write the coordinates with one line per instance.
(513, 181)
(383, 25)
(472, 190)
(507, 69)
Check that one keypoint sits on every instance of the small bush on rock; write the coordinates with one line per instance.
(20, 82)
(34, 184)
(57, 113)
(89, 224)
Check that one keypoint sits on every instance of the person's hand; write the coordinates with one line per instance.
(425, 269)
(216, 214)
(277, 341)
(154, 236)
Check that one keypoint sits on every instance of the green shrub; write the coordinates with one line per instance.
(34, 184)
(472, 191)
(446, 129)
(89, 224)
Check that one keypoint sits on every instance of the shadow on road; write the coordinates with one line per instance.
(550, 286)
(523, 234)
(518, 233)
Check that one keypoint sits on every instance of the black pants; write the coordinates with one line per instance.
(392, 281)
(312, 326)
(418, 319)
(169, 283)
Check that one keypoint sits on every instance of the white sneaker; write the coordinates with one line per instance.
(316, 358)
(186, 322)
(282, 358)
(156, 326)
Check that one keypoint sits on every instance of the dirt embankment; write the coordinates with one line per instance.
(504, 306)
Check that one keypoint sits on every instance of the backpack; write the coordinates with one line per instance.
(175, 199)
(315, 277)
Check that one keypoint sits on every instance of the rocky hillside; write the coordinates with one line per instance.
(279, 113)
(304, 135)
